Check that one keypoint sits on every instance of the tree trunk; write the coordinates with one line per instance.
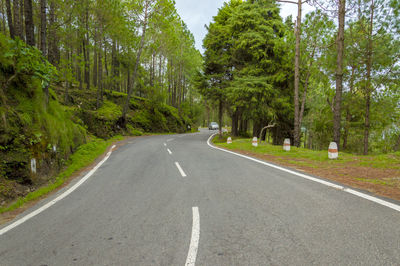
(43, 26)
(10, 19)
(144, 28)
(100, 78)
(94, 71)
(3, 12)
(297, 77)
(339, 73)
(114, 64)
(304, 98)
(86, 64)
(86, 48)
(17, 21)
(235, 123)
(368, 88)
(29, 27)
(53, 53)
(220, 113)
(397, 146)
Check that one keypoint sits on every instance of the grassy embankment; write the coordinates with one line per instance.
(83, 157)
(60, 132)
(378, 174)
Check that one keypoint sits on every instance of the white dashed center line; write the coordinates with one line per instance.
(194, 241)
(180, 169)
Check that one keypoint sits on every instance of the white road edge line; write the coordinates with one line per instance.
(54, 201)
(326, 183)
(169, 151)
(194, 240)
(180, 169)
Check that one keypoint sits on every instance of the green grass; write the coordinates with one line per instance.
(312, 158)
(84, 156)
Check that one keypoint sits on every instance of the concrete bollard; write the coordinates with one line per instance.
(33, 165)
(254, 142)
(229, 140)
(286, 145)
(333, 151)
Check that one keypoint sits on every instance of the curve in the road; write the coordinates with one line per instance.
(323, 182)
(54, 201)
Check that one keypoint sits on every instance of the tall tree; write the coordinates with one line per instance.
(17, 20)
(337, 115)
(148, 7)
(10, 19)
(43, 26)
(29, 26)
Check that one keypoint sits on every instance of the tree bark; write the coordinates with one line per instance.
(29, 25)
(368, 88)
(43, 26)
(53, 53)
(339, 73)
(220, 113)
(17, 21)
(4, 17)
(95, 58)
(296, 132)
(235, 123)
(100, 77)
(397, 146)
(10, 19)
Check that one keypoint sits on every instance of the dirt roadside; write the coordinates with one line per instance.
(381, 182)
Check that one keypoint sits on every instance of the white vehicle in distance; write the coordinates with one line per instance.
(213, 126)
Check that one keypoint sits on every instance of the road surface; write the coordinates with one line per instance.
(174, 200)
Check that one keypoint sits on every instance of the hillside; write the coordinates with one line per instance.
(40, 125)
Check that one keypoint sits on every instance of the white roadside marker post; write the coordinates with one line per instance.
(333, 151)
(286, 145)
(254, 142)
(229, 140)
(33, 165)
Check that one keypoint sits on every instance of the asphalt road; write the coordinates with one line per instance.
(137, 209)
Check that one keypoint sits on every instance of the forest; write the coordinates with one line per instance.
(75, 74)
(332, 75)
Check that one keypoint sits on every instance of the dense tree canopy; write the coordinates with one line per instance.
(140, 47)
(249, 71)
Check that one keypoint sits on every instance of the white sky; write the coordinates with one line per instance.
(197, 13)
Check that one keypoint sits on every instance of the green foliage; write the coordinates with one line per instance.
(109, 111)
(30, 124)
(314, 159)
(84, 156)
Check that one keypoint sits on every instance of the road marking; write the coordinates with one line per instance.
(169, 151)
(194, 240)
(165, 144)
(180, 169)
(326, 183)
(54, 201)
(168, 140)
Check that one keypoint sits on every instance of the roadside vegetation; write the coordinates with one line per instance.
(333, 75)
(378, 174)
(85, 155)
(77, 75)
